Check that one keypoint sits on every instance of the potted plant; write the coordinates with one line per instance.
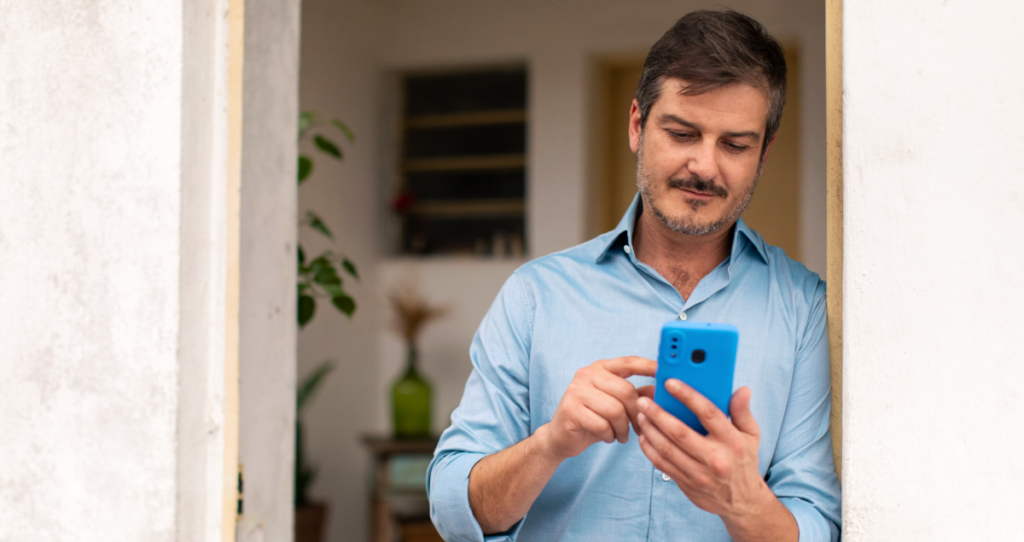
(318, 278)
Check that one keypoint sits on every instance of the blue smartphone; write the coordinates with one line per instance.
(704, 356)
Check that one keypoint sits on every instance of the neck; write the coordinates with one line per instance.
(682, 259)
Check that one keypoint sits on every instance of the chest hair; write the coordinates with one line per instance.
(685, 280)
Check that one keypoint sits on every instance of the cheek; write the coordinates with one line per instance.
(738, 175)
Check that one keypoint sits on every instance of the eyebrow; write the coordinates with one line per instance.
(668, 117)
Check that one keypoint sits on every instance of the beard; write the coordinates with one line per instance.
(690, 224)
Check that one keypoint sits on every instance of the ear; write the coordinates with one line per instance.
(634, 126)
(768, 147)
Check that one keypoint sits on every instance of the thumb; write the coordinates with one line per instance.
(739, 411)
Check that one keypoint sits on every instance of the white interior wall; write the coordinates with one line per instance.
(933, 381)
(350, 52)
(338, 79)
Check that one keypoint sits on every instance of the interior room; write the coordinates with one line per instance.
(406, 207)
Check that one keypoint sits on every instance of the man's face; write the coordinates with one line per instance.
(698, 157)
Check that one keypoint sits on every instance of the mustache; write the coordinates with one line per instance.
(701, 186)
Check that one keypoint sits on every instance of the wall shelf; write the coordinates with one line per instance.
(473, 118)
(463, 162)
(466, 163)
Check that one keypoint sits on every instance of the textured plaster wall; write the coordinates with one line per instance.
(202, 318)
(89, 259)
(933, 370)
(267, 307)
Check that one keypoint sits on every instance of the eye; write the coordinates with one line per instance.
(680, 135)
(736, 148)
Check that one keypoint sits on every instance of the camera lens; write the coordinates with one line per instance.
(697, 356)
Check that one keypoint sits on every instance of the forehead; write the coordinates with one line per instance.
(734, 107)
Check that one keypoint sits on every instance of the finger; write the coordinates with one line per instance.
(618, 388)
(664, 465)
(642, 391)
(742, 417)
(609, 408)
(694, 444)
(675, 459)
(595, 424)
(711, 417)
(630, 365)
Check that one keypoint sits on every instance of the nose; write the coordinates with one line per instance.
(703, 163)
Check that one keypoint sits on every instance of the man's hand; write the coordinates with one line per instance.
(718, 472)
(599, 405)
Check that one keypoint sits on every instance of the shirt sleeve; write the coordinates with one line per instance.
(802, 473)
(493, 414)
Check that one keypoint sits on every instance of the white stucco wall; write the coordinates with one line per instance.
(113, 256)
(202, 275)
(90, 142)
(267, 327)
(933, 376)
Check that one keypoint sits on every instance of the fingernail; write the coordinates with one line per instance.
(640, 418)
(673, 385)
(643, 403)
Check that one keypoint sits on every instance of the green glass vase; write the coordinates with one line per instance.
(410, 401)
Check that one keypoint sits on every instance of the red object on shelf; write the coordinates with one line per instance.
(401, 202)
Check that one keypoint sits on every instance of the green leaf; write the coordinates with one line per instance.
(307, 307)
(309, 385)
(303, 286)
(302, 256)
(345, 304)
(350, 267)
(319, 263)
(327, 276)
(318, 224)
(305, 121)
(305, 167)
(349, 134)
(327, 146)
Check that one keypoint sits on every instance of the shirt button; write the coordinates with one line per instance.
(682, 316)
(627, 249)
(666, 477)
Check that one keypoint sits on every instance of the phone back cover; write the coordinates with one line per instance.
(711, 377)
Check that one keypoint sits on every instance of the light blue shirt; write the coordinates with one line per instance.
(596, 301)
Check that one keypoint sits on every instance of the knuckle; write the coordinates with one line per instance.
(738, 446)
(719, 466)
(624, 389)
(679, 434)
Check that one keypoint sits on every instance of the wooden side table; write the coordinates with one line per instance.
(383, 521)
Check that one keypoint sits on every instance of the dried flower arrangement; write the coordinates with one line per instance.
(412, 312)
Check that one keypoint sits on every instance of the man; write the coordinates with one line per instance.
(554, 440)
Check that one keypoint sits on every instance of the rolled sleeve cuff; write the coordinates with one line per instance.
(448, 487)
(812, 525)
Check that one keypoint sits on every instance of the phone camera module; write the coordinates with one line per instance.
(698, 356)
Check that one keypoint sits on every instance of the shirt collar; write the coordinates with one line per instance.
(623, 234)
